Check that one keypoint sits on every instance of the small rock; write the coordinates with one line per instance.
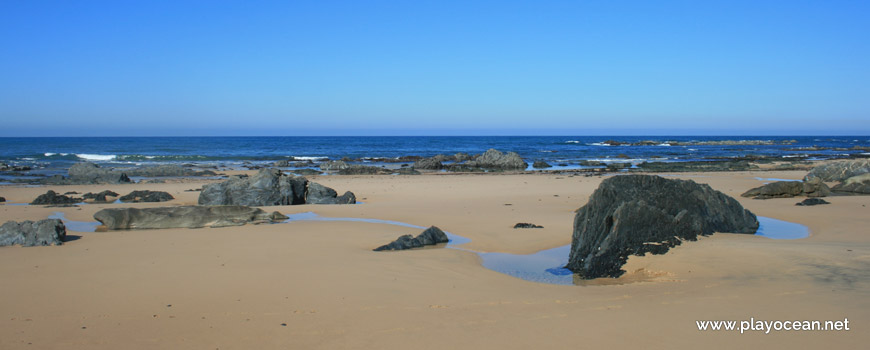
(812, 201)
(431, 236)
(527, 225)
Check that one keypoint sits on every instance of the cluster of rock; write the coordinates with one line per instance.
(853, 175)
(29, 233)
(491, 160)
(101, 197)
(789, 189)
(431, 236)
(184, 217)
(87, 173)
(53, 198)
(271, 187)
(6, 167)
(697, 166)
(637, 214)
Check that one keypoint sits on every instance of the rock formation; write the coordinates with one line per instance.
(146, 196)
(102, 197)
(839, 170)
(636, 214)
(52, 198)
(271, 187)
(184, 217)
(855, 185)
(29, 233)
(430, 236)
(788, 189)
(492, 159)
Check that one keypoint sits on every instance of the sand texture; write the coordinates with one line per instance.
(319, 285)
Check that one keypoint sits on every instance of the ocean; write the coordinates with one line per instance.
(49, 156)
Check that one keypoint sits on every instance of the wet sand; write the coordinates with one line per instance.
(317, 284)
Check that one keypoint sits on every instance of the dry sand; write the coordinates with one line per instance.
(318, 284)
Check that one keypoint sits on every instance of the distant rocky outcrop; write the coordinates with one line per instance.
(52, 198)
(492, 159)
(839, 170)
(812, 201)
(527, 225)
(696, 166)
(14, 168)
(430, 236)
(146, 196)
(362, 170)
(855, 185)
(29, 233)
(333, 165)
(102, 197)
(428, 164)
(166, 170)
(637, 214)
(90, 173)
(789, 189)
(184, 217)
(271, 187)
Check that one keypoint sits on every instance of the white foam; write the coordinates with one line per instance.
(572, 141)
(310, 158)
(598, 144)
(49, 154)
(96, 156)
(665, 144)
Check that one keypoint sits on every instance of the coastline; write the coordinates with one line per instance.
(235, 287)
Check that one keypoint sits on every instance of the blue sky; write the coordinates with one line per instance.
(107, 68)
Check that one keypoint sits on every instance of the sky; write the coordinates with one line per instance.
(226, 68)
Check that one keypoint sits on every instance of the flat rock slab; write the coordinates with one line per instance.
(184, 217)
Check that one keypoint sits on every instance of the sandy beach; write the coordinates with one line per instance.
(318, 285)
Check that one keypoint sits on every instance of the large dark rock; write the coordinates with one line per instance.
(184, 217)
(636, 214)
(52, 198)
(29, 233)
(271, 187)
(428, 164)
(267, 187)
(789, 189)
(101, 197)
(492, 159)
(839, 170)
(855, 185)
(430, 236)
(146, 196)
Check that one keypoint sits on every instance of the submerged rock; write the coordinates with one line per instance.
(812, 201)
(166, 170)
(527, 225)
(788, 189)
(361, 170)
(52, 198)
(636, 214)
(29, 233)
(699, 166)
(430, 236)
(839, 171)
(540, 164)
(184, 217)
(146, 196)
